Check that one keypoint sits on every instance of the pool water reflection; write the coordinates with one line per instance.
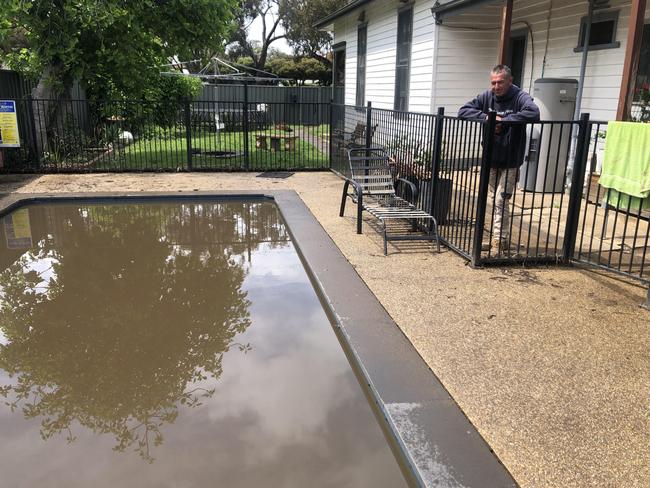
(173, 344)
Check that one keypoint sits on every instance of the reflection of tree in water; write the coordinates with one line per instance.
(130, 323)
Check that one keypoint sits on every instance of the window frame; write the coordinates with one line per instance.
(403, 68)
(613, 16)
(361, 67)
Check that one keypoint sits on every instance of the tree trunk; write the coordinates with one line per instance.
(45, 106)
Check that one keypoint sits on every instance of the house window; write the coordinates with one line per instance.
(338, 73)
(602, 34)
(403, 62)
(362, 42)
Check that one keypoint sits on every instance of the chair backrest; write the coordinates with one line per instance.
(370, 169)
(358, 132)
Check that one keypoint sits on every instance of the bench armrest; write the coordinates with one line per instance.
(413, 189)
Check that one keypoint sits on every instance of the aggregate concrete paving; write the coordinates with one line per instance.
(550, 364)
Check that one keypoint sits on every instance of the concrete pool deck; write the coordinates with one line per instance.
(551, 365)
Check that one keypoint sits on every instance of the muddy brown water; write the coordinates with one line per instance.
(174, 344)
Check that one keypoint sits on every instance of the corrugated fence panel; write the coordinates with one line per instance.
(285, 105)
(13, 85)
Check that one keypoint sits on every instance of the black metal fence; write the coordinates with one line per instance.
(613, 231)
(163, 135)
(553, 210)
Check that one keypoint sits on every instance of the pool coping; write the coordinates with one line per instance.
(430, 433)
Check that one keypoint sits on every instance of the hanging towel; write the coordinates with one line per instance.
(626, 166)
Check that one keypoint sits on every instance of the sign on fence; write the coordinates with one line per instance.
(18, 231)
(8, 124)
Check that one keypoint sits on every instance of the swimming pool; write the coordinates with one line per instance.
(435, 443)
(175, 343)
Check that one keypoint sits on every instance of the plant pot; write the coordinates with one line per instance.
(442, 198)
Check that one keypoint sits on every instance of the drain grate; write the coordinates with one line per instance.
(275, 174)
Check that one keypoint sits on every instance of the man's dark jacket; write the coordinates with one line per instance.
(515, 106)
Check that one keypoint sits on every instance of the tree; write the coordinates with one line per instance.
(299, 69)
(114, 48)
(298, 19)
(267, 12)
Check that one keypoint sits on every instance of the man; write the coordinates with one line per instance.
(511, 104)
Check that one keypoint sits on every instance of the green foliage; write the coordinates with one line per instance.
(113, 47)
(65, 143)
(298, 19)
(161, 105)
(299, 69)
(413, 156)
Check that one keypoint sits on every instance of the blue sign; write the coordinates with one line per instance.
(7, 106)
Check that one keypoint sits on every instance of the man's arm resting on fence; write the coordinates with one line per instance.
(474, 108)
(528, 111)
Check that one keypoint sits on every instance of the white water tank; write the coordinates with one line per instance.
(548, 151)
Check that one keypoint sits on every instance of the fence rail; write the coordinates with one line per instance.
(138, 135)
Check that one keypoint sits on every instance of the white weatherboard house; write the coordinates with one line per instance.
(420, 55)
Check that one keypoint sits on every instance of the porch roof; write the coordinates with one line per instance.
(454, 7)
(327, 21)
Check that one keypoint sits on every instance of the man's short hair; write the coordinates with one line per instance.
(502, 68)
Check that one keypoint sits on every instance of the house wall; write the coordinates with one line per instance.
(465, 55)
(604, 71)
(467, 50)
(381, 17)
(450, 63)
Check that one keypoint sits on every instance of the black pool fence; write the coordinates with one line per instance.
(164, 135)
(558, 211)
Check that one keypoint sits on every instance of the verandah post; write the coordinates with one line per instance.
(577, 182)
(481, 204)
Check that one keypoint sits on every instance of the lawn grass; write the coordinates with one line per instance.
(170, 153)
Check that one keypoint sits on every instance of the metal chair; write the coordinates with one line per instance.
(374, 192)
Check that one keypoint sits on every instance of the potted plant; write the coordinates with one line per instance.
(642, 103)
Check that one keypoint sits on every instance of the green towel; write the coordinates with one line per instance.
(626, 202)
(626, 166)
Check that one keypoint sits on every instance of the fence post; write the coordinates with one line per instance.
(488, 143)
(245, 126)
(188, 132)
(436, 157)
(577, 181)
(32, 129)
(368, 125)
(331, 145)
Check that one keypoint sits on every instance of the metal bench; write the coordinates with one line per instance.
(374, 192)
